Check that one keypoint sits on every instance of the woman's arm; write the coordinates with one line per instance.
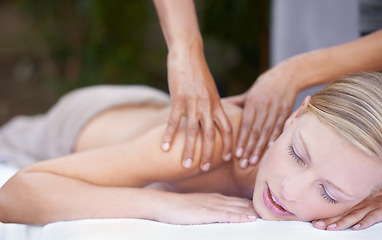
(101, 183)
(41, 198)
(264, 114)
(324, 65)
(191, 85)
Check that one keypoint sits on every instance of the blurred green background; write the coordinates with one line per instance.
(48, 47)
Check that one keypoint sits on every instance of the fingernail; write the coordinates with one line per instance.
(320, 223)
(244, 163)
(206, 166)
(332, 226)
(252, 217)
(356, 226)
(254, 159)
(227, 157)
(239, 152)
(187, 163)
(165, 146)
(270, 143)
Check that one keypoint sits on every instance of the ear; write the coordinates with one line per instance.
(297, 113)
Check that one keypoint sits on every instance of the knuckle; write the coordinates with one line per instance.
(228, 215)
(210, 133)
(255, 132)
(372, 218)
(350, 218)
(267, 130)
(172, 123)
(242, 210)
(283, 113)
(192, 129)
(246, 125)
(228, 130)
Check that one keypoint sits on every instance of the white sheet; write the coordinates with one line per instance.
(143, 229)
(115, 229)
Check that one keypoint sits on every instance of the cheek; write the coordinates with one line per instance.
(273, 168)
(275, 161)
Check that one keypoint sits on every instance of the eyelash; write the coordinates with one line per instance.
(324, 194)
(294, 155)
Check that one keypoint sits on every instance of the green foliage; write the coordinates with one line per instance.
(120, 42)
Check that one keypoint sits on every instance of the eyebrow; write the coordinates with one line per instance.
(346, 196)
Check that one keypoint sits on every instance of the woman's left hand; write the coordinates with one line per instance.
(361, 216)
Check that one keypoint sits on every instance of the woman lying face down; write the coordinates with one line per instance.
(327, 160)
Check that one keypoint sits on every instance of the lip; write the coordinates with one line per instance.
(272, 206)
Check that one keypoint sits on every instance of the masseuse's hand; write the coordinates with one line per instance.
(267, 104)
(194, 95)
(361, 216)
(200, 208)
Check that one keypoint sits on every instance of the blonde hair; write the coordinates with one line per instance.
(352, 105)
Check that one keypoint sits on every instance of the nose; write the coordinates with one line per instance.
(292, 188)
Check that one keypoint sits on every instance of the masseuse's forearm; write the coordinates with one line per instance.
(41, 198)
(179, 24)
(323, 65)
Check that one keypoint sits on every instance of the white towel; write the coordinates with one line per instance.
(118, 229)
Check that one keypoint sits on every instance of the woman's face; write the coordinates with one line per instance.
(312, 173)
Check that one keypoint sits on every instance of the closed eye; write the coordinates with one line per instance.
(294, 155)
(326, 196)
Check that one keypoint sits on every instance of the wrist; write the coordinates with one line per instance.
(153, 205)
(287, 75)
(309, 69)
(186, 46)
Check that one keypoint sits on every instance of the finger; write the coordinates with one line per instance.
(236, 100)
(369, 220)
(172, 127)
(245, 127)
(323, 223)
(266, 131)
(343, 221)
(254, 135)
(225, 129)
(226, 216)
(208, 140)
(192, 130)
(261, 144)
(279, 125)
(277, 130)
(347, 221)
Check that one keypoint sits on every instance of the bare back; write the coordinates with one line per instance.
(126, 123)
